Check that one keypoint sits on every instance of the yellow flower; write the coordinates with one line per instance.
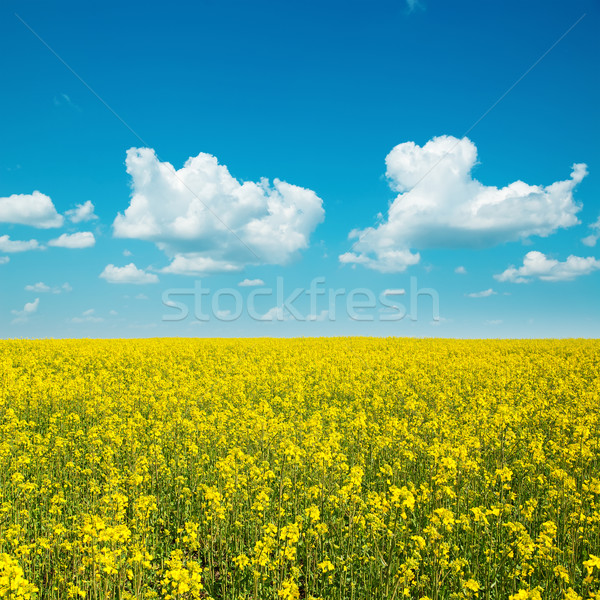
(472, 585)
(326, 566)
(289, 590)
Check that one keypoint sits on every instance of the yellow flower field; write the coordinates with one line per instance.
(348, 468)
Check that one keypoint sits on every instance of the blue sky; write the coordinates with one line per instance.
(328, 145)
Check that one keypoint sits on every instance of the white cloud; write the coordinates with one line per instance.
(127, 252)
(440, 205)
(276, 313)
(30, 308)
(591, 239)
(322, 316)
(40, 286)
(127, 274)
(81, 239)
(82, 212)
(414, 5)
(538, 265)
(483, 294)
(65, 100)
(86, 320)
(113, 313)
(386, 261)
(494, 322)
(194, 263)
(87, 316)
(258, 223)
(141, 297)
(36, 210)
(4, 260)
(251, 282)
(460, 270)
(8, 245)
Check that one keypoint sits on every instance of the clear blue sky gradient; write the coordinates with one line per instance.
(312, 93)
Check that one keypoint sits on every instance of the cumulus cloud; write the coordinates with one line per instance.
(21, 316)
(460, 270)
(4, 260)
(127, 274)
(441, 205)
(10, 246)
(591, 239)
(82, 212)
(537, 265)
(195, 263)
(207, 221)
(36, 210)
(81, 239)
(41, 287)
(31, 307)
(483, 294)
(251, 282)
(385, 261)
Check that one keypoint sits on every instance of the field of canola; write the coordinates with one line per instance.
(349, 468)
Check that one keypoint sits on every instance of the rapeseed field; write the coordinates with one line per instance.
(348, 468)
